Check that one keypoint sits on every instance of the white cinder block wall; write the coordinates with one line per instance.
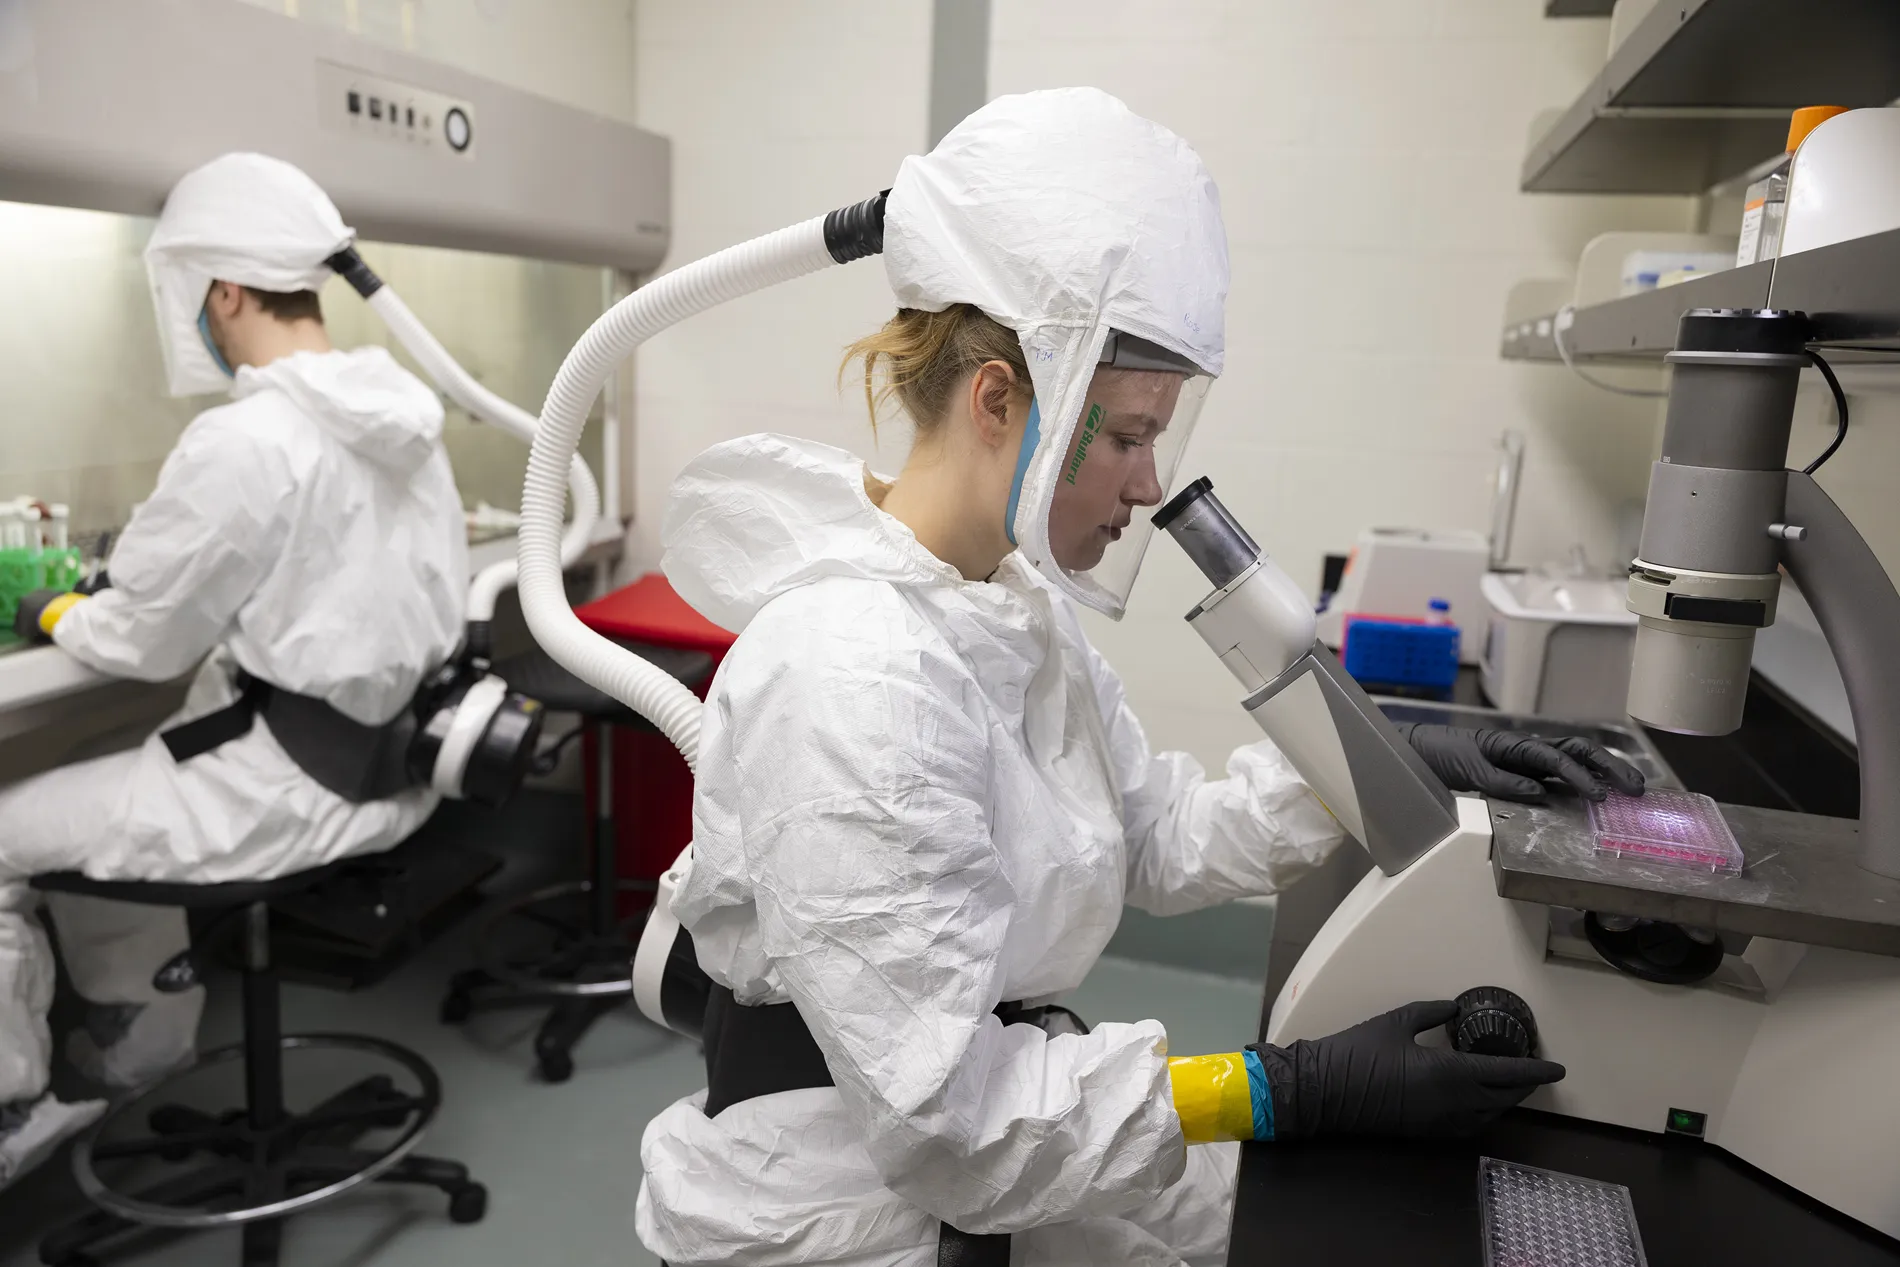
(1367, 153)
(777, 112)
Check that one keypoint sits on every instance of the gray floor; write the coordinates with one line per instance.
(561, 1162)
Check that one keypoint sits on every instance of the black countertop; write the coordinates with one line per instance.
(1347, 1202)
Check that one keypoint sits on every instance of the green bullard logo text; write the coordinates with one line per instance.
(1091, 426)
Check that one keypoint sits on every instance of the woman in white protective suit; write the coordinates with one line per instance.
(923, 799)
(307, 533)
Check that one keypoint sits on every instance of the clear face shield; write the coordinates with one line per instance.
(1140, 409)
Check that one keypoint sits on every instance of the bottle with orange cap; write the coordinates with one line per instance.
(1765, 206)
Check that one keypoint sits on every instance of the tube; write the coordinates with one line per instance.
(460, 386)
(666, 301)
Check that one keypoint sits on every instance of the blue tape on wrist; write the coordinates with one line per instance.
(1032, 436)
(1262, 1096)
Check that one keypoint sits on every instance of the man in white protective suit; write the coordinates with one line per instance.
(305, 536)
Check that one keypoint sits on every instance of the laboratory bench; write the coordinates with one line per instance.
(55, 710)
(1383, 1201)
(1379, 1201)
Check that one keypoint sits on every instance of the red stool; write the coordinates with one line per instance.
(647, 771)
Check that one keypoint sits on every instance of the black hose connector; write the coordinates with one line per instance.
(350, 267)
(479, 640)
(853, 232)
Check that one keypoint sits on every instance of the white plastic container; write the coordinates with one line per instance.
(1644, 270)
(1557, 647)
(1399, 571)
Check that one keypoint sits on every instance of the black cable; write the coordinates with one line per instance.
(1840, 408)
(550, 756)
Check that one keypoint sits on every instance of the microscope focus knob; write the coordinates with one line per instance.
(1492, 1021)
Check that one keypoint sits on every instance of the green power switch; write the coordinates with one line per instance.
(1686, 1122)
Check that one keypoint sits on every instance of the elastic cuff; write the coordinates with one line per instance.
(1279, 1089)
(50, 614)
(1262, 1095)
(1214, 1096)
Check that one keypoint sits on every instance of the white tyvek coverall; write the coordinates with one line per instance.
(920, 796)
(309, 532)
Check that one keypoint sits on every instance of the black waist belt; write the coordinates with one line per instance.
(755, 1051)
(357, 762)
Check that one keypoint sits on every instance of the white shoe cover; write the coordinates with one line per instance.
(151, 1040)
(48, 1124)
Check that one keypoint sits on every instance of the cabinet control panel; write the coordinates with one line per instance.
(373, 106)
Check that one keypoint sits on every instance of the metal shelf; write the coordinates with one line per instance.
(1850, 289)
(1578, 8)
(1701, 90)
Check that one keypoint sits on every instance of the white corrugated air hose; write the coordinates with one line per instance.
(664, 967)
(666, 301)
(460, 386)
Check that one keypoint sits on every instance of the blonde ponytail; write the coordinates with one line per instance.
(924, 357)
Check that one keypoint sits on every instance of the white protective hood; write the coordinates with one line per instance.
(362, 398)
(244, 218)
(1063, 215)
(754, 518)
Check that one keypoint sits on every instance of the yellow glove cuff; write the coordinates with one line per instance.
(50, 614)
(1213, 1096)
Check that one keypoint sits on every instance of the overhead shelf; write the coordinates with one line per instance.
(1850, 289)
(1701, 90)
(1578, 8)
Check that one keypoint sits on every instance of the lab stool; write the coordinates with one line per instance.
(251, 1166)
(584, 969)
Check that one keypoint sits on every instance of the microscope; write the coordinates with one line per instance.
(1758, 1011)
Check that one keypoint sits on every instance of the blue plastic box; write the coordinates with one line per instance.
(1401, 653)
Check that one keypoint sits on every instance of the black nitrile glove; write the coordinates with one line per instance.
(1509, 764)
(1375, 1079)
(27, 618)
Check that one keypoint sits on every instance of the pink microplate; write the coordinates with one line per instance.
(1675, 829)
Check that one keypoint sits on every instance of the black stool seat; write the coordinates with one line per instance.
(193, 896)
(535, 674)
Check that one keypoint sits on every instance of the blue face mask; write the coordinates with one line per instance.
(1032, 435)
(211, 346)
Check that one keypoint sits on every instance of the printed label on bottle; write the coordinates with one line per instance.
(1751, 233)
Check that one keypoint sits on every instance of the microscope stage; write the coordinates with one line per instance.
(1799, 883)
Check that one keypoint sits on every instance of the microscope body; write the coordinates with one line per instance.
(1791, 1073)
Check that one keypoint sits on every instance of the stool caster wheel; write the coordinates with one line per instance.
(459, 1003)
(457, 1007)
(385, 1088)
(468, 1203)
(555, 1066)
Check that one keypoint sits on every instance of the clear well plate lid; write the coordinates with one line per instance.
(1544, 1218)
(1665, 826)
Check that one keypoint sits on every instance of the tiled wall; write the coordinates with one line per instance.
(1367, 154)
(777, 113)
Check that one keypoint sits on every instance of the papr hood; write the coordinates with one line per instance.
(370, 404)
(751, 518)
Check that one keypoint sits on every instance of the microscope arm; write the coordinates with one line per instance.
(1859, 612)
